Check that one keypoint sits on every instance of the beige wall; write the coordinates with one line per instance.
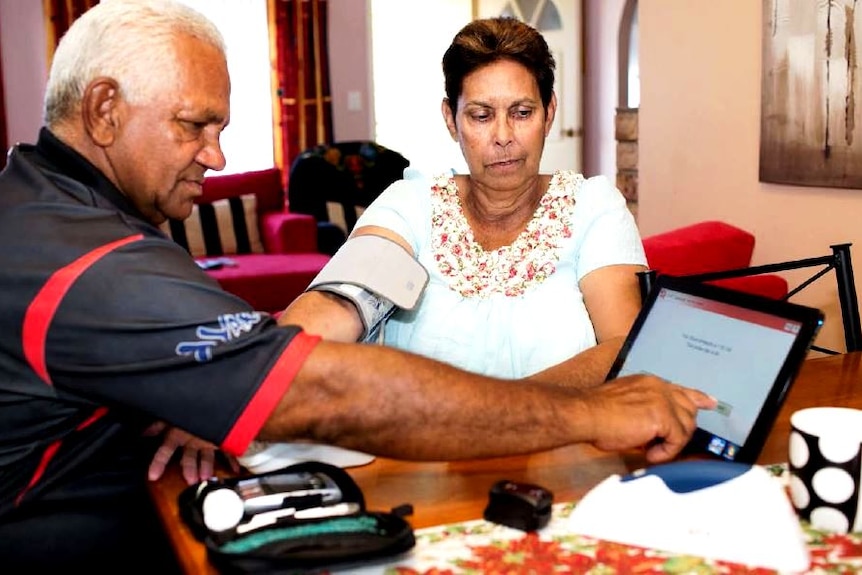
(24, 67)
(601, 85)
(699, 144)
(350, 69)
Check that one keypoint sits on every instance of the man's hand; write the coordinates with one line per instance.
(198, 456)
(643, 410)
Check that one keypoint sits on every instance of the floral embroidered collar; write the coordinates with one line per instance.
(512, 269)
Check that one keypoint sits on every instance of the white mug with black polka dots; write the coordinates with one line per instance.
(825, 461)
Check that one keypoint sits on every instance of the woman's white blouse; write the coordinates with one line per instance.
(514, 311)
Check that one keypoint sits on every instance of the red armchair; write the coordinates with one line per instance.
(711, 246)
(268, 256)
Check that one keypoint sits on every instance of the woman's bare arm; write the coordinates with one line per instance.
(612, 298)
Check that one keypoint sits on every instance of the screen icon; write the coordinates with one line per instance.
(730, 451)
(716, 445)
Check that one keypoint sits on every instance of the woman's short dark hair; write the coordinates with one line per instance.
(482, 42)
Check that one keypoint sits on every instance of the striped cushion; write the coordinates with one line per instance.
(223, 227)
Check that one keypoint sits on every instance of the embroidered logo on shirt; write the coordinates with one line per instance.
(230, 327)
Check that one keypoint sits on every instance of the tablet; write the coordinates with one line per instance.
(745, 350)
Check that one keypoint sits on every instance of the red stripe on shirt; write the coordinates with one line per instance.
(52, 449)
(271, 391)
(41, 310)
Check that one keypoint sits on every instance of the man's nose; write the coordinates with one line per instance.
(211, 155)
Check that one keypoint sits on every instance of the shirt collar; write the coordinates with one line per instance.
(72, 164)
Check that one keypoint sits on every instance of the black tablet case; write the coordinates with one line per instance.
(809, 319)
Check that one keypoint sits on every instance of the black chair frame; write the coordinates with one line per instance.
(839, 261)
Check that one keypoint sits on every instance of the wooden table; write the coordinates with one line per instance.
(455, 491)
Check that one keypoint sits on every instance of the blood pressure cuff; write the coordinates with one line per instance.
(377, 275)
(303, 518)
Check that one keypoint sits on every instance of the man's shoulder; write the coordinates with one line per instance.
(27, 181)
(52, 219)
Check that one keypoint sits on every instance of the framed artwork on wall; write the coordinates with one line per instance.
(811, 96)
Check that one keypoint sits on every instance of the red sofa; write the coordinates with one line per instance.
(286, 257)
(711, 246)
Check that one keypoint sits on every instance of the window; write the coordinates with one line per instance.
(629, 67)
(408, 41)
(248, 141)
(633, 99)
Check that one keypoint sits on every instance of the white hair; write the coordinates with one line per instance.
(130, 41)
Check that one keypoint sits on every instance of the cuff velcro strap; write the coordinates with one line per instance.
(377, 275)
(373, 309)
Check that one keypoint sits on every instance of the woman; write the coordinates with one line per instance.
(528, 271)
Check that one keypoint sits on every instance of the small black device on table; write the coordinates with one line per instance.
(523, 506)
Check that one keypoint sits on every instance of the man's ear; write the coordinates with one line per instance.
(100, 108)
(449, 119)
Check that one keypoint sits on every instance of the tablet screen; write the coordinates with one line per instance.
(743, 351)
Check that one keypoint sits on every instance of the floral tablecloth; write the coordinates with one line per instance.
(480, 547)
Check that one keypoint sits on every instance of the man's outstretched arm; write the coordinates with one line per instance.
(392, 403)
(396, 404)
